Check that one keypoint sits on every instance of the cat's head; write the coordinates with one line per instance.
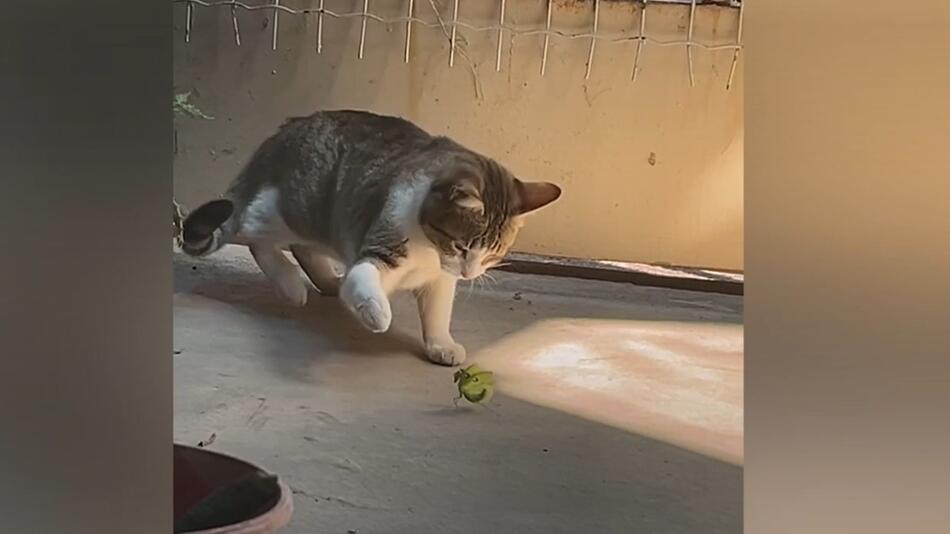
(473, 212)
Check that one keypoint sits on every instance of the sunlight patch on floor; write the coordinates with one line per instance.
(675, 381)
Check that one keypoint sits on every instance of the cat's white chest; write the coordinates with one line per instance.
(421, 264)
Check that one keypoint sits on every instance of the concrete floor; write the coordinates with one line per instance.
(618, 408)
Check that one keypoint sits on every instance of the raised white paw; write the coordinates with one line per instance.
(445, 352)
(373, 311)
(293, 290)
(375, 315)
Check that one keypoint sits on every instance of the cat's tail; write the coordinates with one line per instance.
(208, 228)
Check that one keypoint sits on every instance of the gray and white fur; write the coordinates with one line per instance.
(398, 208)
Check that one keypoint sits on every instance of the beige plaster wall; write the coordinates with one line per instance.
(652, 169)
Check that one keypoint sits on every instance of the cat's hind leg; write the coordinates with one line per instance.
(319, 268)
(281, 272)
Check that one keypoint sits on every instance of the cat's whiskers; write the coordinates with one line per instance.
(468, 294)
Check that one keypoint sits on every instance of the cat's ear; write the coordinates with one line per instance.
(465, 195)
(535, 195)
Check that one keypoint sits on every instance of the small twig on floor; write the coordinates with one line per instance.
(298, 491)
(209, 441)
(258, 409)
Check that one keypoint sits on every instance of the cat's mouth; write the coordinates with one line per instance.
(470, 275)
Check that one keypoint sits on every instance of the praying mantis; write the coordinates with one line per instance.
(474, 384)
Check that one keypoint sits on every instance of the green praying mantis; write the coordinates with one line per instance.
(474, 384)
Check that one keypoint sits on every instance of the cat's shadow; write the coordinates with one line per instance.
(322, 327)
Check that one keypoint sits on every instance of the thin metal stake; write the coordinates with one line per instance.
(189, 9)
(363, 27)
(501, 32)
(234, 24)
(408, 28)
(735, 53)
(640, 41)
(593, 39)
(276, 15)
(547, 38)
(689, 41)
(455, 20)
(320, 28)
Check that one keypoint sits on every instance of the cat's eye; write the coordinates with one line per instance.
(460, 247)
(441, 231)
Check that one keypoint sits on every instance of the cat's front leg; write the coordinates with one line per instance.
(435, 310)
(364, 293)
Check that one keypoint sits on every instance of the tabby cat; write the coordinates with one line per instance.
(400, 209)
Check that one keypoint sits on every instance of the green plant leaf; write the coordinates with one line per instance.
(182, 107)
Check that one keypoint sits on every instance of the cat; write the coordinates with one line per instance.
(399, 208)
